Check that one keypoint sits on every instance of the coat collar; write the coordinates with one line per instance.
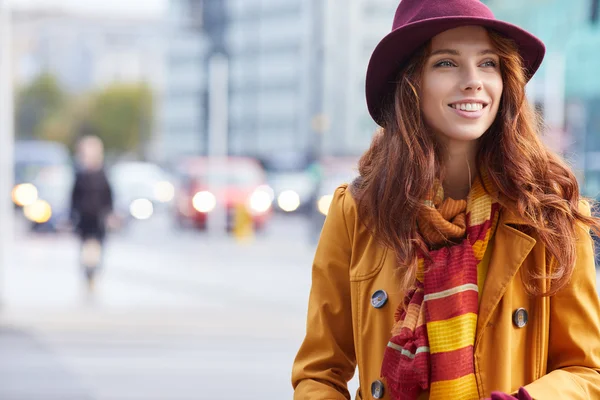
(511, 247)
(509, 215)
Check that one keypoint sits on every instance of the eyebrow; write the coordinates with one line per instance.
(457, 53)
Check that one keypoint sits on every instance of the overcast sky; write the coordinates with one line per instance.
(112, 7)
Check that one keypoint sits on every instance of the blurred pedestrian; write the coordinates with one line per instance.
(91, 204)
(459, 264)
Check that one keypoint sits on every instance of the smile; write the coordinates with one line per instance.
(471, 110)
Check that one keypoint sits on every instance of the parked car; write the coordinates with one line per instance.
(290, 176)
(50, 212)
(31, 157)
(140, 189)
(227, 183)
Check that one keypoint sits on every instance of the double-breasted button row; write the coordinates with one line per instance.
(379, 298)
(520, 316)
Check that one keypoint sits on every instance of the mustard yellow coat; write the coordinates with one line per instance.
(556, 355)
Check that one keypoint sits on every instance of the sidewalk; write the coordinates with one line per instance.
(30, 371)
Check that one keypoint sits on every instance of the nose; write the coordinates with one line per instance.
(474, 85)
(472, 81)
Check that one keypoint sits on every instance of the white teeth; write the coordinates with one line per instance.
(468, 106)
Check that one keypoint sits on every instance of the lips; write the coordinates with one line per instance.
(471, 110)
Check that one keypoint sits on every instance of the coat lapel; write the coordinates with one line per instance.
(511, 247)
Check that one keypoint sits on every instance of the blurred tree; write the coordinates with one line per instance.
(36, 102)
(122, 116)
(69, 122)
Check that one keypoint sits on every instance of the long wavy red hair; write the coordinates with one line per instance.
(404, 159)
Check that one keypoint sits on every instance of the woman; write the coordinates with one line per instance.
(459, 265)
(91, 204)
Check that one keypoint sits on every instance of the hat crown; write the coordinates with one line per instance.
(410, 11)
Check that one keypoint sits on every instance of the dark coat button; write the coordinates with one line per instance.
(379, 298)
(520, 317)
(377, 390)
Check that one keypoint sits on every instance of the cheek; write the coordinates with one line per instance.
(432, 96)
(496, 89)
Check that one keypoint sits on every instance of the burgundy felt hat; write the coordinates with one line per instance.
(417, 21)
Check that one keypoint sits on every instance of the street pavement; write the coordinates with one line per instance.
(175, 315)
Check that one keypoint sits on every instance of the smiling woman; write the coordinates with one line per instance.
(459, 264)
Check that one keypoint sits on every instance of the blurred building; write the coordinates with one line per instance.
(184, 102)
(86, 51)
(352, 30)
(268, 44)
(296, 73)
(567, 86)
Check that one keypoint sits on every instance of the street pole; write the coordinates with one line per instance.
(318, 120)
(218, 116)
(6, 141)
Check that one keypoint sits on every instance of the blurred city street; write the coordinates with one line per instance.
(175, 315)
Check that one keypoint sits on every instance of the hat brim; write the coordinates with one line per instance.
(394, 50)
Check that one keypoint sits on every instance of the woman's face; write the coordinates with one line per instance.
(461, 85)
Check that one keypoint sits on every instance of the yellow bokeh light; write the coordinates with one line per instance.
(164, 191)
(260, 201)
(141, 209)
(24, 194)
(39, 211)
(324, 203)
(204, 201)
(288, 201)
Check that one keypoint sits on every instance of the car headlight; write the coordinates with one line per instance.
(141, 209)
(39, 211)
(269, 190)
(324, 203)
(24, 194)
(164, 191)
(260, 201)
(204, 201)
(288, 200)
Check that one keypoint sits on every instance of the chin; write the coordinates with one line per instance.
(466, 135)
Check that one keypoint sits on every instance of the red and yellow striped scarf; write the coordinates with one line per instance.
(434, 332)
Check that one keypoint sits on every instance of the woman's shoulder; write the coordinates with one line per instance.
(367, 253)
(344, 203)
(344, 207)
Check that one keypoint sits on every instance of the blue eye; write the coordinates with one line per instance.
(490, 64)
(445, 63)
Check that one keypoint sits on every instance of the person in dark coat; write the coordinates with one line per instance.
(91, 203)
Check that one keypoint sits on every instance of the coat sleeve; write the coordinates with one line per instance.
(326, 360)
(574, 341)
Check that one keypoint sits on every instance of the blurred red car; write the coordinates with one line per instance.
(226, 183)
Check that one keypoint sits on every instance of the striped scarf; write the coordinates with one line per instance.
(434, 332)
